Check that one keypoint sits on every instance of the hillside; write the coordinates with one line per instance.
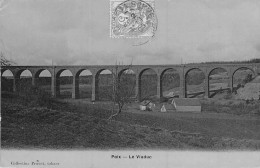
(251, 90)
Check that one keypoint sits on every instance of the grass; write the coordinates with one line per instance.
(25, 127)
(236, 107)
(84, 126)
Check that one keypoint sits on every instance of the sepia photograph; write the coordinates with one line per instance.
(130, 83)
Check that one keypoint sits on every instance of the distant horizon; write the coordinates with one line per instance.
(235, 61)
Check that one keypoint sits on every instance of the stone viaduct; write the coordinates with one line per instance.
(183, 70)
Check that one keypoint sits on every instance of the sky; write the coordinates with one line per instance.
(76, 32)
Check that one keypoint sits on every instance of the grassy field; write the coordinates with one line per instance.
(78, 124)
(214, 123)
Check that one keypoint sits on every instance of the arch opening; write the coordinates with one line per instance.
(24, 81)
(148, 84)
(64, 80)
(43, 80)
(243, 80)
(127, 83)
(84, 84)
(218, 82)
(170, 82)
(104, 85)
(194, 83)
(7, 79)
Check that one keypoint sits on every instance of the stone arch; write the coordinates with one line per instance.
(193, 69)
(60, 71)
(42, 79)
(103, 84)
(218, 67)
(170, 83)
(243, 67)
(242, 79)
(6, 70)
(145, 69)
(147, 84)
(24, 80)
(124, 70)
(194, 85)
(64, 83)
(127, 81)
(7, 79)
(38, 72)
(81, 70)
(83, 83)
(19, 72)
(217, 81)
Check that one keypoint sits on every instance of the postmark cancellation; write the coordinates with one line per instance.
(132, 18)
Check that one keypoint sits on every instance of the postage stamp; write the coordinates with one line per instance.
(132, 18)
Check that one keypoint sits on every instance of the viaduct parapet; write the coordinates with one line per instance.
(182, 70)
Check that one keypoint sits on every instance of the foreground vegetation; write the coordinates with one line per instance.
(235, 107)
(44, 123)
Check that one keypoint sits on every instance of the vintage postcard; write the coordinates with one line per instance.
(130, 83)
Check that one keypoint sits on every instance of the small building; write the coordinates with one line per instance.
(147, 105)
(187, 104)
(163, 109)
(168, 107)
